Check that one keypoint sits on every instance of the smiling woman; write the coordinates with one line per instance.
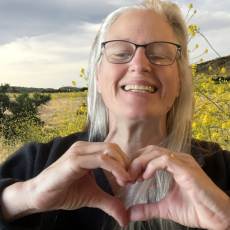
(134, 160)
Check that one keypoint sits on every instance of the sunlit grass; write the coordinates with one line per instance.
(60, 117)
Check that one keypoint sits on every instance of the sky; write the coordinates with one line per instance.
(46, 43)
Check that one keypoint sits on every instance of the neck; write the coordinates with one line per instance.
(132, 136)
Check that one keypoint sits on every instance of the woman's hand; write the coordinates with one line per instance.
(192, 200)
(69, 183)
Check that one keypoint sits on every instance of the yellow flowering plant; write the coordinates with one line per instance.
(211, 117)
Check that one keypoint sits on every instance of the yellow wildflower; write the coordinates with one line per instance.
(70, 98)
(210, 68)
(220, 90)
(81, 75)
(195, 126)
(194, 65)
(82, 70)
(83, 109)
(200, 136)
(188, 51)
(190, 6)
(203, 107)
(215, 135)
(53, 96)
(212, 110)
(223, 70)
(73, 83)
(194, 11)
(201, 59)
(206, 51)
(223, 97)
(207, 119)
(196, 46)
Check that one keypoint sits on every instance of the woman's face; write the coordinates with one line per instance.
(139, 27)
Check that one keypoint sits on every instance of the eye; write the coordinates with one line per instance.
(159, 57)
(155, 57)
(122, 55)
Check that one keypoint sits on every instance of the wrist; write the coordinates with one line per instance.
(14, 202)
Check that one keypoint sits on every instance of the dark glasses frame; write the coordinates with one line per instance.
(145, 46)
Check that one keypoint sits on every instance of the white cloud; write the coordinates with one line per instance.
(51, 60)
(47, 42)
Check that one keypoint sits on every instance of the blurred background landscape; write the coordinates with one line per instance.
(44, 51)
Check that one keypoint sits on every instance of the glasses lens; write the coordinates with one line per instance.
(161, 53)
(119, 51)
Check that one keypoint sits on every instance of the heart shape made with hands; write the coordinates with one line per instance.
(192, 197)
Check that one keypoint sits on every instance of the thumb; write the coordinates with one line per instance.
(143, 212)
(110, 205)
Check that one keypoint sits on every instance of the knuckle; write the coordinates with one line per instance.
(79, 143)
(151, 147)
(101, 157)
(70, 159)
(109, 146)
(166, 158)
(109, 149)
(112, 145)
(151, 165)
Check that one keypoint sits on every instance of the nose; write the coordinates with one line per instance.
(140, 62)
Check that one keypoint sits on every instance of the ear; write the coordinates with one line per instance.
(98, 81)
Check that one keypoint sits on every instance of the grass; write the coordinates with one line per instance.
(60, 105)
(59, 116)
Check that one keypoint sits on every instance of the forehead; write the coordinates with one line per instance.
(141, 27)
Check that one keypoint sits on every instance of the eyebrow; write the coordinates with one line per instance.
(124, 39)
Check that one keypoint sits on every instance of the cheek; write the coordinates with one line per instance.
(109, 77)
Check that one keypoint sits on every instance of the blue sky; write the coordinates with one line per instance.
(45, 43)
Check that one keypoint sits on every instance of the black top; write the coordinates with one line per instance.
(31, 159)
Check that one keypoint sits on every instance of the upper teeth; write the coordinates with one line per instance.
(149, 88)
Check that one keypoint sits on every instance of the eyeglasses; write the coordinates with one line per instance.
(159, 53)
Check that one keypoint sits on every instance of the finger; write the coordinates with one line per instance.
(142, 212)
(158, 151)
(153, 166)
(135, 169)
(176, 168)
(122, 183)
(81, 164)
(125, 158)
(140, 163)
(110, 205)
(111, 149)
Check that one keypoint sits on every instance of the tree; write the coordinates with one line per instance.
(24, 110)
(4, 99)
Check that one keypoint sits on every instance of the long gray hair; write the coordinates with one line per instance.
(179, 117)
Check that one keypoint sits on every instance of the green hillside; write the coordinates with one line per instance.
(217, 64)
